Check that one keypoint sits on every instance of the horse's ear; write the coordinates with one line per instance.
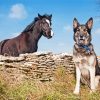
(50, 16)
(40, 16)
(75, 23)
(89, 23)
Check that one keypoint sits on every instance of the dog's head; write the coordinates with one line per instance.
(82, 32)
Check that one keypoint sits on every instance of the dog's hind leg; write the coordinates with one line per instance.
(97, 73)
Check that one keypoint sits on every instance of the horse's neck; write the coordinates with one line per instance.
(31, 36)
(36, 33)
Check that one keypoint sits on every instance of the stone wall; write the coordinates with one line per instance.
(35, 65)
(38, 65)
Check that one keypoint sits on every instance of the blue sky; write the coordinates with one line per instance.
(15, 15)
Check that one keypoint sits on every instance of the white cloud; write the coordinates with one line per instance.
(61, 44)
(97, 31)
(68, 28)
(18, 11)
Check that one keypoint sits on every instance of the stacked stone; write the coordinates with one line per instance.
(36, 65)
(65, 60)
(42, 66)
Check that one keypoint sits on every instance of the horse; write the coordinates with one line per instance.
(27, 41)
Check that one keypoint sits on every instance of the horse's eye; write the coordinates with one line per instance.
(43, 22)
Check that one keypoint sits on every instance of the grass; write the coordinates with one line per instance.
(60, 89)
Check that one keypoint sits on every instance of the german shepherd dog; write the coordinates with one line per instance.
(87, 69)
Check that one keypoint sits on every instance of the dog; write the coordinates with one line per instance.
(87, 69)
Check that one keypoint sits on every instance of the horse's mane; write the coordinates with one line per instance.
(30, 26)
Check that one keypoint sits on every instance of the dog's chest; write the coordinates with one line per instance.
(84, 62)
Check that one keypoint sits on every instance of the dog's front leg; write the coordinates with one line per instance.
(92, 78)
(78, 77)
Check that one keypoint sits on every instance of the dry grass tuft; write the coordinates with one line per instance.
(60, 89)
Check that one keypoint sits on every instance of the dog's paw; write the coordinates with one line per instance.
(76, 92)
(92, 91)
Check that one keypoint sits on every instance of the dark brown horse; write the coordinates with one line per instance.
(27, 41)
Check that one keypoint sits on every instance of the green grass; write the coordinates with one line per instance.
(21, 92)
(60, 89)
(17, 92)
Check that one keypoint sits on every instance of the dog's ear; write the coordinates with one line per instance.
(75, 23)
(89, 23)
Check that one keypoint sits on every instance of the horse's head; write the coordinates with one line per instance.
(45, 23)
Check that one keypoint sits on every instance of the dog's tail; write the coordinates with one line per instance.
(97, 67)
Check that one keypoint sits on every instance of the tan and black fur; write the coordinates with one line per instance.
(87, 69)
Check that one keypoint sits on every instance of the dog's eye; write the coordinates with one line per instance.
(86, 35)
(76, 34)
(85, 30)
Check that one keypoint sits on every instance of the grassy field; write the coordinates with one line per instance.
(60, 89)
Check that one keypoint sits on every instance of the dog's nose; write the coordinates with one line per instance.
(81, 36)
